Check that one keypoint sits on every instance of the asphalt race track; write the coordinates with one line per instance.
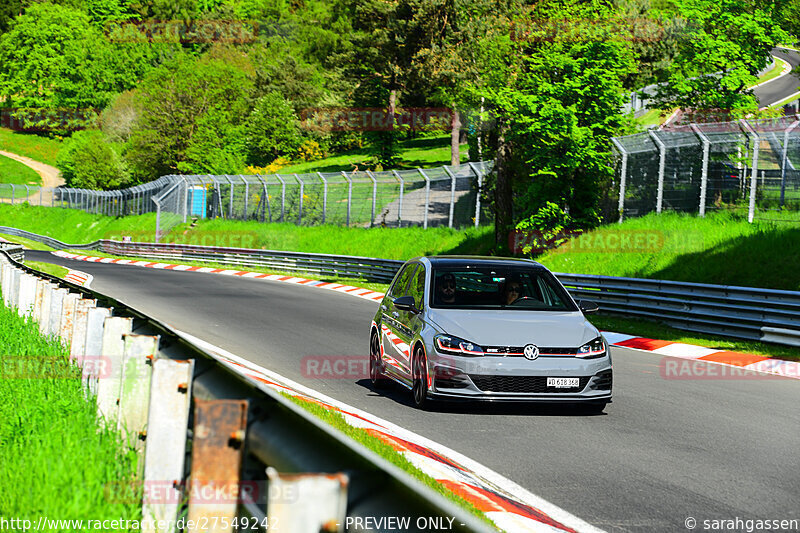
(781, 88)
(666, 449)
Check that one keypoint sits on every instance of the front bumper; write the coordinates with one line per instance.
(517, 379)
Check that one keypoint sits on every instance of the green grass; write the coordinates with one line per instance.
(654, 117)
(655, 330)
(788, 100)
(414, 153)
(27, 243)
(721, 248)
(44, 149)
(48, 268)
(774, 72)
(12, 171)
(372, 443)
(55, 460)
(76, 227)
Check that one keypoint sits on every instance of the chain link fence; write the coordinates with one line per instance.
(747, 165)
(443, 196)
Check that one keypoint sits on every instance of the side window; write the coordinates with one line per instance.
(401, 282)
(417, 287)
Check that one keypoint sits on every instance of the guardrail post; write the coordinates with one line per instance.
(56, 305)
(704, 174)
(112, 349)
(317, 500)
(349, 194)
(39, 300)
(68, 318)
(374, 196)
(452, 196)
(399, 200)
(784, 160)
(134, 395)
(77, 349)
(44, 319)
(27, 294)
(751, 211)
(217, 451)
(165, 448)
(16, 275)
(92, 337)
(300, 207)
(662, 159)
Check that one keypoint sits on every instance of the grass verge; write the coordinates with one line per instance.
(55, 460)
(774, 72)
(372, 443)
(12, 171)
(48, 268)
(44, 149)
(655, 330)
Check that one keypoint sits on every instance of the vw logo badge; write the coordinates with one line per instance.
(531, 351)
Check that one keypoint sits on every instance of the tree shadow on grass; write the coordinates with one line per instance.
(767, 259)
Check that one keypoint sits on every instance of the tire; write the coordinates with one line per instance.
(375, 373)
(419, 388)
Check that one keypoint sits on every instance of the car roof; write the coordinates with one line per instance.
(478, 260)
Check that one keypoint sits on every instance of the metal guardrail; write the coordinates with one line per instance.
(275, 433)
(15, 251)
(740, 312)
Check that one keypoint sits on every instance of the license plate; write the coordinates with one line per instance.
(563, 383)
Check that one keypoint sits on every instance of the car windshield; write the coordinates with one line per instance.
(512, 287)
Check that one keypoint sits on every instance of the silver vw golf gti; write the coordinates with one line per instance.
(477, 328)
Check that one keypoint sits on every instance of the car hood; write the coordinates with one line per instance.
(516, 328)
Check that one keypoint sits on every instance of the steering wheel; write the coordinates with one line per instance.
(521, 298)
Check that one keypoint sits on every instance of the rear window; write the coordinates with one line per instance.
(514, 288)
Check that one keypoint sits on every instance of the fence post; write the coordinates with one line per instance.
(427, 198)
(479, 175)
(324, 195)
(662, 159)
(300, 208)
(230, 202)
(452, 196)
(623, 174)
(349, 194)
(13, 193)
(400, 200)
(265, 192)
(246, 194)
(704, 174)
(751, 211)
(784, 160)
(374, 196)
(283, 195)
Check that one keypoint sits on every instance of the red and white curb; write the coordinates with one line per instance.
(511, 507)
(367, 294)
(739, 360)
(79, 278)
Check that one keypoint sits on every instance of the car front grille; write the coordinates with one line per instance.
(522, 384)
(517, 351)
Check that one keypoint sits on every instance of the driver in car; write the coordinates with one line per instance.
(512, 292)
(446, 289)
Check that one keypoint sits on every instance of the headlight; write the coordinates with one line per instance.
(596, 348)
(455, 346)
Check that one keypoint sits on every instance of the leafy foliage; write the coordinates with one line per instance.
(87, 162)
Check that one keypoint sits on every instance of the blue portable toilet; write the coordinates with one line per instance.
(197, 201)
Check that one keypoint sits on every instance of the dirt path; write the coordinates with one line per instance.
(50, 175)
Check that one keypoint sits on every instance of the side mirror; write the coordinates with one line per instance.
(587, 307)
(406, 303)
